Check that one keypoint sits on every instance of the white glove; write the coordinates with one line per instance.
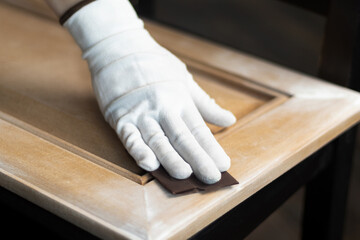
(147, 95)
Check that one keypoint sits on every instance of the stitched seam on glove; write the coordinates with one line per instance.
(72, 10)
(109, 37)
(108, 108)
(123, 58)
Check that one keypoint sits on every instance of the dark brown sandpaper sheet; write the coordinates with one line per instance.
(191, 184)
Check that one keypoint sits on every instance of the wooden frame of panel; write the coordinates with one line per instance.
(112, 206)
(50, 96)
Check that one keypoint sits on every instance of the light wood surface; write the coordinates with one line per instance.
(51, 96)
(57, 151)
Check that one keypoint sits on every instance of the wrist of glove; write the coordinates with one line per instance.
(147, 95)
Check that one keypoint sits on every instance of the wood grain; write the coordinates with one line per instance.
(301, 115)
(36, 6)
(51, 95)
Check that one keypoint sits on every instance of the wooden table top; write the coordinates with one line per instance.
(58, 152)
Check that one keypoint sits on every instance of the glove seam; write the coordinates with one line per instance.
(111, 36)
(111, 103)
(72, 10)
(125, 56)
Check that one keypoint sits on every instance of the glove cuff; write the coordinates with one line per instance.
(73, 10)
(101, 19)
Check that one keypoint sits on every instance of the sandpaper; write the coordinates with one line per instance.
(191, 184)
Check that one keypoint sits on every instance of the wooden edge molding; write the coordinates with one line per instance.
(76, 150)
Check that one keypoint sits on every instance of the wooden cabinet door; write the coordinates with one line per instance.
(57, 151)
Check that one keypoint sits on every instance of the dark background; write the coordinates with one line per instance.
(274, 30)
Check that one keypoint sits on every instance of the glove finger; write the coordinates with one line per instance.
(209, 109)
(131, 138)
(206, 139)
(165, 153)
(190, 150)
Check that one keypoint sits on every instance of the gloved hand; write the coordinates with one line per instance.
(147, 95)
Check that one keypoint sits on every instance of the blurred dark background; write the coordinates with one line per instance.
(289, 33)
(274, 30)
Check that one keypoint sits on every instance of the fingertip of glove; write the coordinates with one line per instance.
(149, 164)
(182, 174)
(227, 119)
(180, 171)
(211, 179)
(223, 118)
(224, 165)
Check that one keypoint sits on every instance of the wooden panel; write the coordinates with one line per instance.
(37, 6)
(51, 95)
(284, 116)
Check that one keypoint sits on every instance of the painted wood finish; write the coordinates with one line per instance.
(57, 151)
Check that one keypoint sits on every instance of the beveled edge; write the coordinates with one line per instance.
(235, 195)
